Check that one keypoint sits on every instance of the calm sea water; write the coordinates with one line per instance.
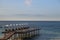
(50, 30)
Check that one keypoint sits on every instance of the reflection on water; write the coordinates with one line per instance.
(33, 38)
(46, 35)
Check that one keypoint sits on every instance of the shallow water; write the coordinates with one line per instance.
(49, 30)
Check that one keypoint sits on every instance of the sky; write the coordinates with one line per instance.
(34, 10)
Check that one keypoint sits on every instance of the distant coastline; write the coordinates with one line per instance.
(28, 21)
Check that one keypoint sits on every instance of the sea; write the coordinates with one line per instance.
(50, 30)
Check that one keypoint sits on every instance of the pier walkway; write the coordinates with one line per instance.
(19, 33)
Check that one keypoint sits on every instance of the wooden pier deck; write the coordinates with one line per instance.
(7, 36)
(20, 33)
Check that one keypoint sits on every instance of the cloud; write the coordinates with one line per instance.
(30, 15)
(17, 14)
(28, 2)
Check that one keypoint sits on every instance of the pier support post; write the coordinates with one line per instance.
(15, 37)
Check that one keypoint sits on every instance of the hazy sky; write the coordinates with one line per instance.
(30, 10)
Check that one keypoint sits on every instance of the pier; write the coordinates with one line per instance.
(19, 33)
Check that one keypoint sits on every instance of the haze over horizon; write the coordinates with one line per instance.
(39, 10)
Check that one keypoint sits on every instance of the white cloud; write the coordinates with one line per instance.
(15, 14)
(28, 2)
